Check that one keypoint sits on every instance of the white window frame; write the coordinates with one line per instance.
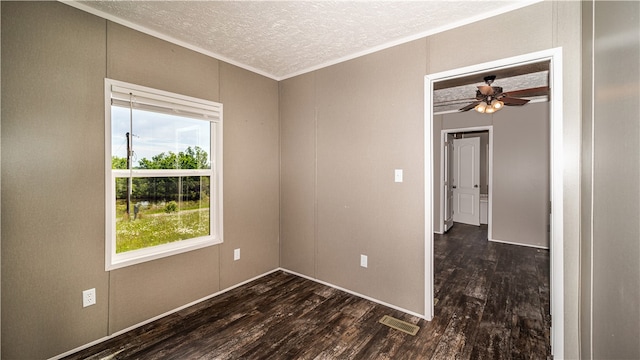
(151, 98)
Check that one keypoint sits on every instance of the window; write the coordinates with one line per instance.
(163, 174)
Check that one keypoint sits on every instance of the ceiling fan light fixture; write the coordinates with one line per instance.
(497, 104)
(481, 108)
(489, 110)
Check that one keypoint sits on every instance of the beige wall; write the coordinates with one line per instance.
(298, 123)
(361, 119)
(251, 174)
(344, 130)
(53, 179)
(520, 170)
(521, 175)
(611, 190)
(0, 184)
(586, 182)
(366, 127)
(55, 59)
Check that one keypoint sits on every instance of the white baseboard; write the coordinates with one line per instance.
(133, 327)
(80, 348)
(519, 244)
(409, 312)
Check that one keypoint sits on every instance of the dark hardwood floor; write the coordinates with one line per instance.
(493, 303)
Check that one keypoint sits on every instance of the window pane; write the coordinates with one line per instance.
(159, 141)
(161, 210)
(163, 205)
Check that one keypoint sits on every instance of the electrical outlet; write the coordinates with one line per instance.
(363, 261)
(88, 297)
(236, 254)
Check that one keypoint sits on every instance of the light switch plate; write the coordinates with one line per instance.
(398, 175)
(363, 261)
(236, 254)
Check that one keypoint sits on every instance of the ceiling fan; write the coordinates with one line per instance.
(490, 99)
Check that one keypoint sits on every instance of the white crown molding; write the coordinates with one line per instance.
(145, 30)
(479, 17)
(482, 16)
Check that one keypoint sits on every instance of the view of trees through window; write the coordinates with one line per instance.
(162, 194)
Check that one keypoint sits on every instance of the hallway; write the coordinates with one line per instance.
(496, 296)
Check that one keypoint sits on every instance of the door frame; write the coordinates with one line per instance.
(443, 194)
(554, 56)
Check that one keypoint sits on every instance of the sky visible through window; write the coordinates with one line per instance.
(155, 133)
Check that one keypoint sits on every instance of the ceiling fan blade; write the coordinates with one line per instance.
(537, 91)
(510, 101)
(470, 106)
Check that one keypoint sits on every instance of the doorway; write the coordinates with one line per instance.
(480, 182)
(554, 57)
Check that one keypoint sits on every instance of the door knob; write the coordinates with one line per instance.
(454, 186)
(475, 186)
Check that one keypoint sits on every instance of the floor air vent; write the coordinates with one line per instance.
(400, 325)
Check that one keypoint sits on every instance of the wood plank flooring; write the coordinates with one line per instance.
(493, 303)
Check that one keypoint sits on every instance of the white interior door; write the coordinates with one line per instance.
(448, 189)
(466, 181)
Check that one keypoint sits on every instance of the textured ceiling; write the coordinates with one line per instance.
(281, 39)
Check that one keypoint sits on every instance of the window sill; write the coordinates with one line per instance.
(117, 261)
